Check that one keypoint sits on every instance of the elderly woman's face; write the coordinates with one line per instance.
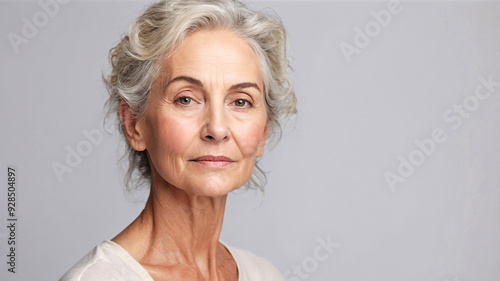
(206, 120)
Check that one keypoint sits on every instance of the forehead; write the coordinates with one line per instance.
(214, 54)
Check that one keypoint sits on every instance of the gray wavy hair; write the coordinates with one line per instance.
(136, 63)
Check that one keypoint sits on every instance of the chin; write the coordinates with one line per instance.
(211, 188)
(203, 183)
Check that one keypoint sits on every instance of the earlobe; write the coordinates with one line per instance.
(262, 144)
(131, 128)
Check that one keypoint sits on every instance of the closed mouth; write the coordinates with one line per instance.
(213, 161)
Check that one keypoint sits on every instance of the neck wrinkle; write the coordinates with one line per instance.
(180, 228)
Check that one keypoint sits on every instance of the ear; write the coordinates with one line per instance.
(262, 144)
(131, 128)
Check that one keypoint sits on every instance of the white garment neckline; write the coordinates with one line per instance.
(127, 257)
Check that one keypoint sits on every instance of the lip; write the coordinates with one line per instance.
(213, 161)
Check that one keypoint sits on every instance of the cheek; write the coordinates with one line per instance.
(173, 136)
(249, 138)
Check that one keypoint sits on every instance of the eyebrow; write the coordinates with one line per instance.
(188, 79)
(198, 83)
(244, 85)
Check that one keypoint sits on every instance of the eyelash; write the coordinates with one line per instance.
(246, 103)
(184, 97)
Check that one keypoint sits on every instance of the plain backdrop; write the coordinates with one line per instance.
(400, 98)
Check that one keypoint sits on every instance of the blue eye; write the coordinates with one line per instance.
(241, 103)
(184, 100)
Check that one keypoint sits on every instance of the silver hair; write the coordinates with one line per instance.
(136, 63)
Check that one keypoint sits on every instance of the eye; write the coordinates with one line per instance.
(242, 103)
(184, 100)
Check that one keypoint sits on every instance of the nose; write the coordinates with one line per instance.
(215, 128)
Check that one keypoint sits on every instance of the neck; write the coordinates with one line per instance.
(176, 228)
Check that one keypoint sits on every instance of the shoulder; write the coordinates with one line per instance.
(107, 261)
(252, 267)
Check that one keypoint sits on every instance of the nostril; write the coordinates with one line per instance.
(209, 137)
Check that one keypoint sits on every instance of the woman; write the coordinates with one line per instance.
(199, 86)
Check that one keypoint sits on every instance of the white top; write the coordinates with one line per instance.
(108, 261)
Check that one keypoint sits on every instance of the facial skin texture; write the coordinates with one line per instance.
(204, 126)
(208, 102)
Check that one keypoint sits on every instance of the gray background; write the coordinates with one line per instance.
(326, 177)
